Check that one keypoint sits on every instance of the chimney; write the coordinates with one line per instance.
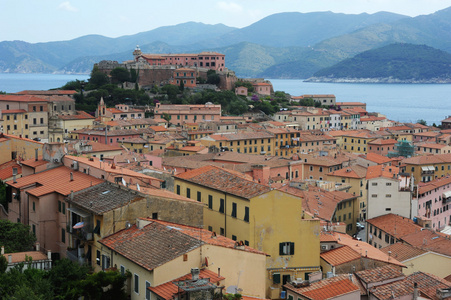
(38, 246)
(195, 273)
(3, 250)
(415, 291)
(14, 175)
(49, 255)
(71, 176)
(10, 259)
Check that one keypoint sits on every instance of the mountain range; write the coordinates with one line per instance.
(284, 45)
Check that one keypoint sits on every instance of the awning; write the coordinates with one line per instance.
(424, 169)
(431, 168)
(447, 194)
(79, 212)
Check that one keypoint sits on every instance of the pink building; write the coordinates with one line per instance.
(241, 90)
(181, 114)
(381, 146)
(434, 201)
(209, 60)
(119, 112)
(262, 88)
(111, 137)
(186, 76)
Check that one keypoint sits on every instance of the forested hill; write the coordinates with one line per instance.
(395, 62)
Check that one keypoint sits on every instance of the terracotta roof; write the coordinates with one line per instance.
(363, 249)
(383, 142)
(21, 256)
(328, 288)
(13, 111)
(168, 289)
(428, 159)
(50, 92)
(319, 202)
(377, 158)
(354, 171)
(57, 180)
(21, 98)
(80, 115)
(341, 255)
(382, 171)
(431, 145)
(379, 274)
(434, 184)
(159, 242)
(403, 251)
(428, 239)
(6, 169)
(224, 180)
(394, 225)
(427, 285)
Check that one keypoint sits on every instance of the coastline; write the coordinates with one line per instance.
(383, 80)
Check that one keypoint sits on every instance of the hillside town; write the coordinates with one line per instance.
(318, 200)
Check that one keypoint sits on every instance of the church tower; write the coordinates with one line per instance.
(137, 53)
(101, 109)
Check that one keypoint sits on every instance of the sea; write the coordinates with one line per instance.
(399, 102)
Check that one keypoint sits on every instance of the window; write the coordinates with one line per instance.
(286, 248)
(276, 278)
(136, 288)
(105, 262)
(246, 214)
(199, 196)
(388, 183)
(234, 237)
(210, 201)
(221, 231)
(98, 258)
(63, 236)
(374, 183)
(122, 270)
(178, 189)
(188, 193)
(147, 290)
(285, 279)
(221, 205)
(59, 206)
(233, 209)
(34, 206)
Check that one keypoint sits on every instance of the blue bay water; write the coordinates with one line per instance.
(13, 83)
(399, 102)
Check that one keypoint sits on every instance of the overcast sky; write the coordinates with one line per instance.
(52, 20)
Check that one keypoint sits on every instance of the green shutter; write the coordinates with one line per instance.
(276, 278)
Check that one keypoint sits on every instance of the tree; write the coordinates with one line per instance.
(120, 74)
(212, 77)
(16, 237)
(167, 117)
(422, 122)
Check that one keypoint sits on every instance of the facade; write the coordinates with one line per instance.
(264, 219)
(28, 112)
(180, 114)
(389, 192)
(381, 146)
(243, 142)
(184, 76)
(434, 201)
(427, 167)
(157, 252)
(18, 148)
(119, 112)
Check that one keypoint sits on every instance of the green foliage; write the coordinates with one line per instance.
(399, 61)
(200, 80)
(2, 93)
(247, 84)
(232, 296)
(134, 75)
(103, 286)
(212, 77)
(3, 264)
(422, 122)
(171, 91)
(16, 237)
(120, 74)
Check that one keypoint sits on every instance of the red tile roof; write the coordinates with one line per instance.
(382, 171)
(427, 286)
(51, 92)
(402, 251)
(168, 289)
(20, 98)
(379, 159)
(6, 169)
(355, 171)
(13, 111)
(341, 255)
(224, 180)
(379, 274)
(21, 256)
(395, 225)
(328, 288)
(57, 180)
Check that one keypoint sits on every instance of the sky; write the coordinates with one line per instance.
(56, 20)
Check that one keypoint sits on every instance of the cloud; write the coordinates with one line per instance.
(67, 7)
(230, 7)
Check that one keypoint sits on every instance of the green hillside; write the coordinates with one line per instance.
(397, 61)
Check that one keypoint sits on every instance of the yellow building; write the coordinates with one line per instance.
(242, 142)
(61, 125)
(355, 176)
(268, 220)
(285, 141)
(358, 142)
(17, 148)
(425, 168)
(15, 122)
(157, 252)
(137, 145)
(311, 120)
